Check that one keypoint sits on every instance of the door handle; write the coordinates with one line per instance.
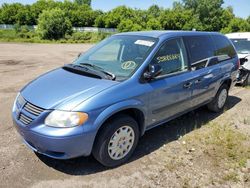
(187, 85)
(197, 81)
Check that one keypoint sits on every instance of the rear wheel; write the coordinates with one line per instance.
(117, 141)
(220, 99)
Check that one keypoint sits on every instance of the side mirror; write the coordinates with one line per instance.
(79, 54)
(154, 71)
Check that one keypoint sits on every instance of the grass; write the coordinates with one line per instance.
(232, 176)
(224, 146)
(228, 144)
(246, 120)
(13, 36)
(173, 164)
(32, 37)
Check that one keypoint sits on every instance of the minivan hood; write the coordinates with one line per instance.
(64, 90)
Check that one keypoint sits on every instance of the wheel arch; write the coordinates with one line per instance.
(227, 82)
(134, 110)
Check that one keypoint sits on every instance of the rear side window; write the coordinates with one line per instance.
(200, 49)
(224, 49)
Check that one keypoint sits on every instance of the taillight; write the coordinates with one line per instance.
(238, 64)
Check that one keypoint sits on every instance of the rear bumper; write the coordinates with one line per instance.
(58, 147)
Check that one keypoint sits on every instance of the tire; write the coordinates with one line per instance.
(246, 82)
(219, 101)
(125, 127)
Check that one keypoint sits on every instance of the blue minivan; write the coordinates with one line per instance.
(104, 101)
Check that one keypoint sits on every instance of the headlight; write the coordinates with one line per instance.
(17, 96)
(65, 119)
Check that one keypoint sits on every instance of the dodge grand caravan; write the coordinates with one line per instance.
(104, 101)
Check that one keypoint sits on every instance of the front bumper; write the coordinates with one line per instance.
(57, 146)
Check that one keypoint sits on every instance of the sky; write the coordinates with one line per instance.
(241, 7)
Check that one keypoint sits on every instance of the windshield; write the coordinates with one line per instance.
(242, 45)
(118, 55)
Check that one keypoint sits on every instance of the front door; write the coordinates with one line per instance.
(171, 90)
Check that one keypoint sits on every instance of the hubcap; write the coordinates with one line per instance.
(121, 142)
(222, 98)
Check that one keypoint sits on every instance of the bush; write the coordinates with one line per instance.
(53, 24)
(128, 25)
(17, 28)
(83, 37)
(154, 24)
(26, 35)
(237, 25)
(23, 31)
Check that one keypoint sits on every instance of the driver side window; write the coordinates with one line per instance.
(172, 57)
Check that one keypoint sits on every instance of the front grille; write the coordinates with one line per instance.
(25, 119)
(35, 110)
(24, 106)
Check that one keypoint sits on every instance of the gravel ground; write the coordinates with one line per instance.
(165, 157)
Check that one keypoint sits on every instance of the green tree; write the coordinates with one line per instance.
(39, 6)
(179, 18)
(153, 24)
(208, 12)
(83, 2)
(226, 17)
(9, 12)
(25, 16)
(185, 15)
(100, 21)
(248, 19)
(154, 11)
(53, 24)
(83, 16)
(237, 25)
(141, 17)
(115, 16)
(128, 25)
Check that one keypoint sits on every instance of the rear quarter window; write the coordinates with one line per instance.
(200, 48)
(223, 47)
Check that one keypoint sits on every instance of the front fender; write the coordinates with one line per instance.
(118, 107)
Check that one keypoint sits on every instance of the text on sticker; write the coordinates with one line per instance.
(168, 58)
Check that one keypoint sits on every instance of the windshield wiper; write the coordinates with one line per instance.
(113, 77)
(82, 70)
(91, 65)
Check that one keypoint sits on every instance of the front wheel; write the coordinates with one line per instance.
(220, 99)
(116, 141)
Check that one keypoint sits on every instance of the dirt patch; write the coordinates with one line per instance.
(9, 62)
(199, 149)
(9, 90)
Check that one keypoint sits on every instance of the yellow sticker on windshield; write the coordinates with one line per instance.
(170, 57)
(127, 65)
